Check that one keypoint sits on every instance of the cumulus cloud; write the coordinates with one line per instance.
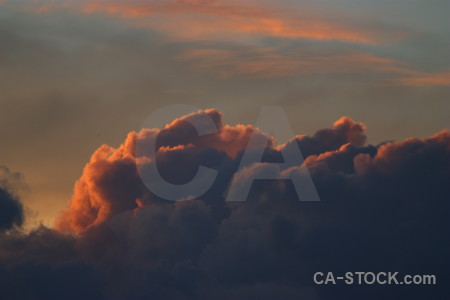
(382, 208)
(104, 189)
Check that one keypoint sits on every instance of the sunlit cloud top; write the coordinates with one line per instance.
(114, 61)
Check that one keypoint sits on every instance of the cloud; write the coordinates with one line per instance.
(212, 19)
(268, 63)
(216, 27)
(425, 79)
(103, 189)
(44, 265)
(264, 63)
(11, 210)
(383, 208)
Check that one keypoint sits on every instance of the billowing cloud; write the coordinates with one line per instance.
(382, 208)
(102, 191)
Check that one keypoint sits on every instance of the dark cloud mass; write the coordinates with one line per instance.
(382, 208)
(11, 210)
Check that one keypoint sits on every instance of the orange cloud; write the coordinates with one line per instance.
(208, 19)
(307, 29)
(249, 20)
(119, 9)
(110, 183)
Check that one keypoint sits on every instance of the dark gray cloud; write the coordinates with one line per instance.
(11, 209)
(383, 208)
(45, 265)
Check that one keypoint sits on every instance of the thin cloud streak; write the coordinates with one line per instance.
(426, 79)
(267, 63)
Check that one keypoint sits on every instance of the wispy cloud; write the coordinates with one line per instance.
(250, 22)
(209, 19)
(270, 63)
(426, 79)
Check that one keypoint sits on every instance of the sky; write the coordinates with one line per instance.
(78, 74)
(78, 78)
